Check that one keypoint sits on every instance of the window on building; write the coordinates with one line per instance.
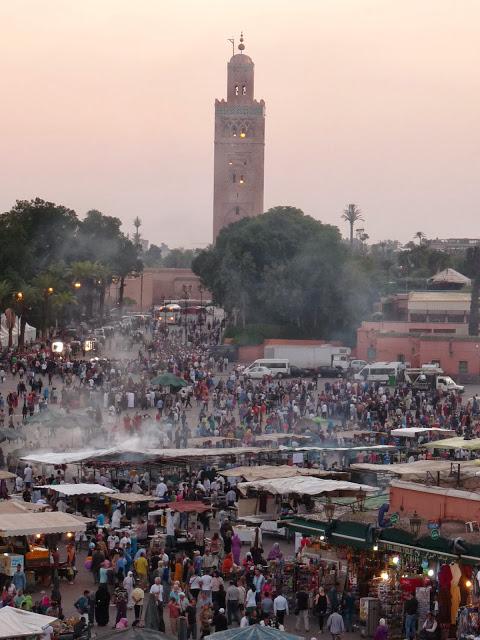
(444, 331)
(463, 366)
(436, 317)
(237, 90)
(237, 211)
(400, 357)
(234, 132)
(234, 178)
(457, 318)
(244, 90)
(243, 133)
(437, 363)
(242, 179)
(418, 317)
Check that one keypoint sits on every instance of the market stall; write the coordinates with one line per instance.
(17, 623)
(29, 539)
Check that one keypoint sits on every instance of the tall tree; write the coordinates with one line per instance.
(420, 236)
(352, 214)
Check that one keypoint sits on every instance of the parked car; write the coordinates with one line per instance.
(257, 372)
(300, 372)
(330, 372)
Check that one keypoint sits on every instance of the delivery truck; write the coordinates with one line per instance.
(310, 357)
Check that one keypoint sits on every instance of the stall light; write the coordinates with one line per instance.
(468, 584)
(430, 573)
(395, 559)
(6, 555)
(322, 538)
(69, 534)
(384, 576)
(375, 547)
(38, 536)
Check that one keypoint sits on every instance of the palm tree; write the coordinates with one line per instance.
(420, 236)
(352, 214)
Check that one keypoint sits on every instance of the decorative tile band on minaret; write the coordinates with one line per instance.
(239, 146)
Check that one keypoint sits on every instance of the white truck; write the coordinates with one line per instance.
(310, 356)
(430, 377)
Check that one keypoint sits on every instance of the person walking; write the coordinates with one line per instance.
(411, 611)
(301, 610)
(233, 600)
(321, 607)
(335, 625)
(280, 607)
(102, 602)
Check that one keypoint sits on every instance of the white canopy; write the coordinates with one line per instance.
(411, 432)
(305, 485)
(30, 332)
(367, 447)
(82, 489)
(28, 524)
(67, 457)
(16, 623)
(203, 453)
(266, 472)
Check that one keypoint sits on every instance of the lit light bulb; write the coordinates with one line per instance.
(322, 538)
(384, 575)
(430, 572)
(468, 584)
(395, 559)
(375, 547)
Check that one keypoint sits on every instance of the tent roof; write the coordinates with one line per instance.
(81, 489)
(133, 498)
(17, 622)
(26, 524)
(450, 276)
(411, 432)
(419, 467)
(203, 453)
(455, 443)
(67, 457)
(255, 632)
(213, 439)
(19, 506)
(6, 475)
(184, 506)
(265, 472)
(271, 437)
(367, 447)
(302, 485)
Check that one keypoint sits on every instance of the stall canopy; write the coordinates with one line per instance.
(6, 475)
(67, 457)
(26, 524)
(367, 447)
(212, 439)
(455, 443)
(17, 623)
(184, 506)
(273, 437)
(19, 506)
(307, 486)
(411, 432)
(266, 472)
(254, 632)
(81, 489)
(417, 469)
(133, 498)
(171, 454)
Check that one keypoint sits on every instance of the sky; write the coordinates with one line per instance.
(109, 104)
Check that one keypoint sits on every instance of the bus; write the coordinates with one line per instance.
(168, 314)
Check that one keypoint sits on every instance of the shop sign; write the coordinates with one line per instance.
(394, 518)
(435, 534)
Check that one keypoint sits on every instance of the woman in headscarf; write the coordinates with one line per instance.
(102, 602)
(381, 632)
(236, 548)
(275, 552)
(227, 564)
(128, 584)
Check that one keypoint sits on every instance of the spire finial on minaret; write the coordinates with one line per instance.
(241, 46)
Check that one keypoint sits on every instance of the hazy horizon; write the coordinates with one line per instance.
(109, 105)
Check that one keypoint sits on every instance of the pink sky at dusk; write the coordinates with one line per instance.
(108, 104)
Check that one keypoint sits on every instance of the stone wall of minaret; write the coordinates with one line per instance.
(239, 147)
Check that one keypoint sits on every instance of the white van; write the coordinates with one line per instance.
(380, 371)
(278, 367)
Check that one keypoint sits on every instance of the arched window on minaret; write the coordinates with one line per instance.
(234, 132)
(234, 178)
(244, 90)
(237, 90)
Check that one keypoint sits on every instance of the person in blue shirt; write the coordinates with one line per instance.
(19, 579)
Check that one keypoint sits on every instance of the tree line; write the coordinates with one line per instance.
(290, 272)
(54, 265)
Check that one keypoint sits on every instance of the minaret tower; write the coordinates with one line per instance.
(239, 146)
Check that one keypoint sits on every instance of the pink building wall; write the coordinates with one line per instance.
(418, 349)
(433, 506)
